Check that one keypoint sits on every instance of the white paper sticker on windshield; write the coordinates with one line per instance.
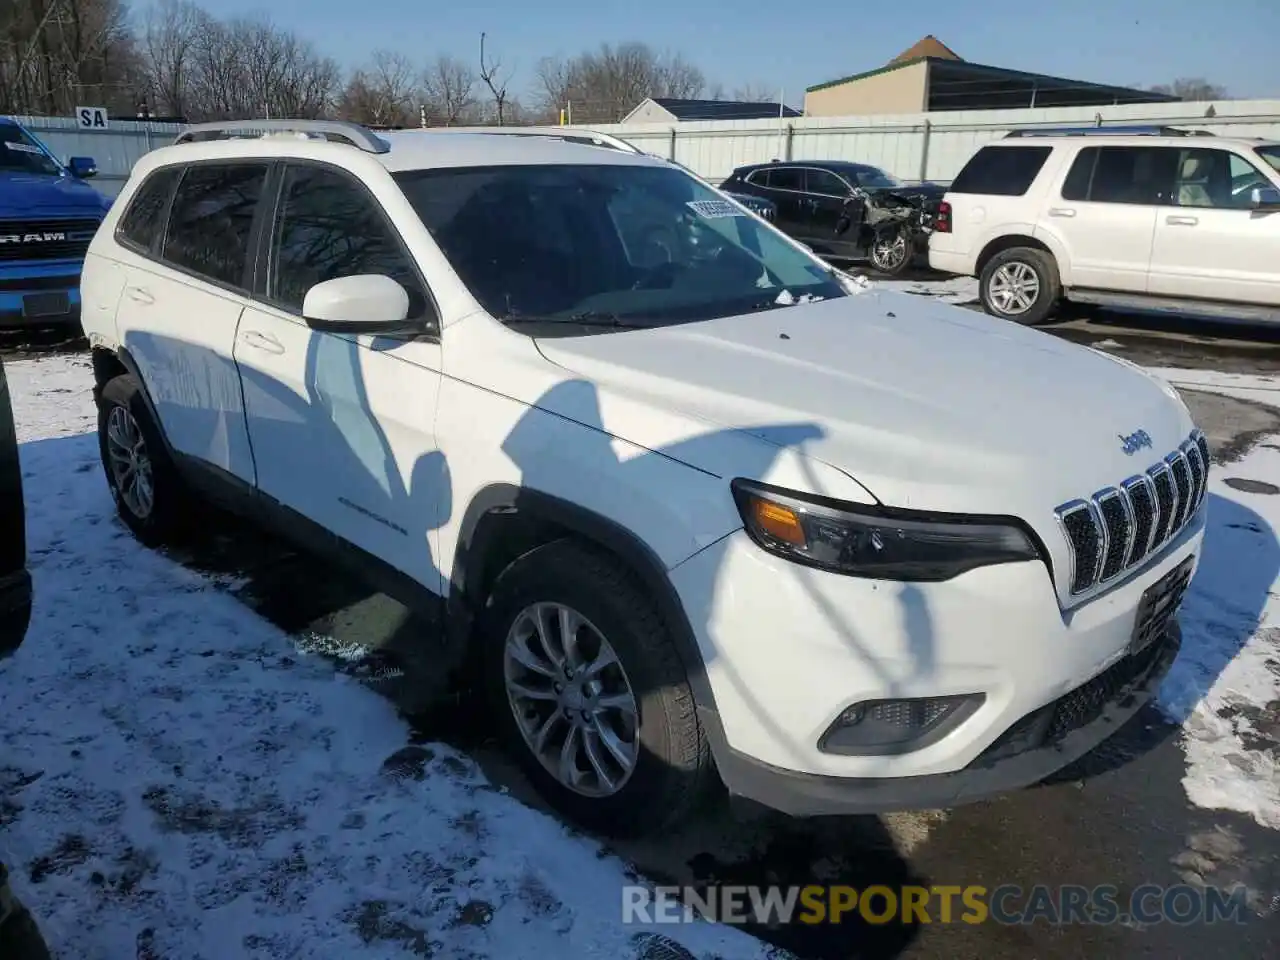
(714, 209)
(23, 147)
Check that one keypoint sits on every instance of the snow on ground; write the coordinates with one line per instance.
(180, 780)
(951, 290)
(1224, 688)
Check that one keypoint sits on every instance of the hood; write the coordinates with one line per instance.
(926, 405)
(32, 195)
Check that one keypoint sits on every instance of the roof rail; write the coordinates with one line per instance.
(339, 131)
(569, 134)
(1116, 131)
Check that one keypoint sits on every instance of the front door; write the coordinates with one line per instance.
(825, 197)
(342, 426)
(1210, 243)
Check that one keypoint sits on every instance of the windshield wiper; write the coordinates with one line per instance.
(589, 318)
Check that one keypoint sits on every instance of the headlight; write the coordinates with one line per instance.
(877, 542)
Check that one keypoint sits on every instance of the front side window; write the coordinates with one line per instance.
(637, 245)
(212, 220)
(826, 183)
(22, 153)
(874, 178)
(1134, 175)
(330, 227)
(143, 222)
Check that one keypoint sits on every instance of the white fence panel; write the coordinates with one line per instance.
(932, 146)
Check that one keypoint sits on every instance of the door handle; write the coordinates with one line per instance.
(262, 341)
(140, 295)
(1181, 221)
(1061, 212)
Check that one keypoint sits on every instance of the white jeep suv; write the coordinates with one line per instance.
(1152, 219)
(691, 504)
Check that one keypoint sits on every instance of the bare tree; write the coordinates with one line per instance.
(1192, 88)
(606, 85)
(491, 74)
(169, 34)
(385, 93)
(55, 54)
(250, 68)
(448, 91)
(755, 93)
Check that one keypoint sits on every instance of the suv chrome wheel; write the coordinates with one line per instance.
(572, 701)
(130, 463)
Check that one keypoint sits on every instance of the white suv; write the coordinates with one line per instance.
(691, 504)
(1131, 218)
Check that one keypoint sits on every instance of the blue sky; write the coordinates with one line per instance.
(1137, 42)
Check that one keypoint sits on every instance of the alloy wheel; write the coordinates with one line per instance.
(130, 463)
(571, 699)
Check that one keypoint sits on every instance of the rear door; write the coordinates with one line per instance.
(1210, 243)
(181, 306)
(784, 185)
(1104, 214)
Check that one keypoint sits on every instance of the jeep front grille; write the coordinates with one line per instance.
(61, 239)
(1117, 528)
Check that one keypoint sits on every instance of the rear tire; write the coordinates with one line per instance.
(671, 766)
(1020, 284)
(150, 495)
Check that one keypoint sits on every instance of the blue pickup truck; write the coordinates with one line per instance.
(48, 215)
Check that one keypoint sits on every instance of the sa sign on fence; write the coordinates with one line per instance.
(91, 118)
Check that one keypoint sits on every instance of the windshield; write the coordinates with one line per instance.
(873, 177)
(19, 151)
(1271, 154)
(624, 244)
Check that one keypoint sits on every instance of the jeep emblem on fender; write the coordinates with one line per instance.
(1135, 442)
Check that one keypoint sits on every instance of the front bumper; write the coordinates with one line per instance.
(787, 649)
(1039, 745)
(24, 285)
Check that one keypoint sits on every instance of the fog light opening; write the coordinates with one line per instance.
(880, 727)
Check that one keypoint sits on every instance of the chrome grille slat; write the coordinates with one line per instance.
(1118, 528)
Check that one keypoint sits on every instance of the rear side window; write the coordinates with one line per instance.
(787, 178)
(1131, 175)
(1001, 171)
(143, 222)
(212, 220)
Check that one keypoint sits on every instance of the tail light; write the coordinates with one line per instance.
(942, 222)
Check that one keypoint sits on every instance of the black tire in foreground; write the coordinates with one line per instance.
(150, 495)
(605, 643)
(1020, 284)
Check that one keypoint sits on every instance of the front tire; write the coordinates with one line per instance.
(149, 494)
(590, 694)
(1020, 284)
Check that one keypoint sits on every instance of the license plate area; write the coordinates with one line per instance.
(1159, 605)
(53, 304)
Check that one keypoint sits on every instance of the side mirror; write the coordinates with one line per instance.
(82, 167)
(366, 303)
(1265, 198)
